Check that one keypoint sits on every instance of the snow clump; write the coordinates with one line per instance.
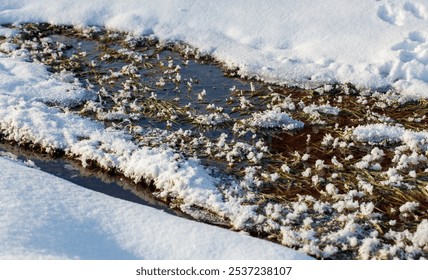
(274, 119)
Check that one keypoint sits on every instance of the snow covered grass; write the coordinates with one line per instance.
(325, 171)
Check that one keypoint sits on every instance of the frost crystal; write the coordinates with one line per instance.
(274, 119)
(409, 207)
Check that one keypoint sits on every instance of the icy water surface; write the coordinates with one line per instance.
(312, 182)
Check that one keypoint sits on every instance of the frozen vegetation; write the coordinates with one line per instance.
(338, 170)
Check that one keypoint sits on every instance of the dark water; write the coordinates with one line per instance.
(202, 76)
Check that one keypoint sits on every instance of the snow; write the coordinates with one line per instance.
(6, 32)
(421, 235)
(45, 217)
(372, 44)
(213, 119)
(376, 133)
(19, 77)
(324, 109)
(274, 119)
(376, 45)
(409, 206)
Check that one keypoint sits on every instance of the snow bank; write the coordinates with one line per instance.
(42, 216)
(373, 44)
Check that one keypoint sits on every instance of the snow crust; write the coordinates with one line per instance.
(45, 217)
(372, 44)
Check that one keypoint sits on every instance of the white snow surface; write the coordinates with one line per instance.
(274, 119)
(19, 78)
(373, 44)
(376, 133)
(45, 217)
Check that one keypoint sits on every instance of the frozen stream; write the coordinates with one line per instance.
(334, 171)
